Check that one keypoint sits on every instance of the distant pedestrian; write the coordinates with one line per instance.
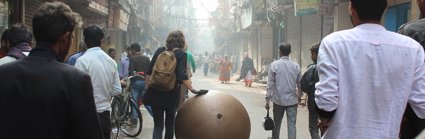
(104, 75)
(112, 53)
(206, 61)
(413, 125)
(42, 97)
(191, 68)
(308, 85)
(225, 69)
(283, 89)
(124, 65)
(73, 58)
(246, 70)
(19, 37)
(367, 76)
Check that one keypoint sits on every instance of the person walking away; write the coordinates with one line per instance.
(308, 82)
(73, 58)
(138, 63)
(41, 94)
(104, 76)
(225, 68)
(125, 63)
(246, 70)
(191, 68)
(413, 125)
(167, 101)
(367, 76)
(20, 38)
(206, 62)
(283, 89)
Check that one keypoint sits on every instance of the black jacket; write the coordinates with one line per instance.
(43, 98)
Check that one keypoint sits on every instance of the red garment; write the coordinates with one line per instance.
(2, 53)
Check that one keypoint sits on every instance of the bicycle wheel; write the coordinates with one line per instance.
(115, 115)
(133, 130)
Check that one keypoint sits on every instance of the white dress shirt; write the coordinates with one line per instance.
(368, 75)
(104, 76)
(283, 79)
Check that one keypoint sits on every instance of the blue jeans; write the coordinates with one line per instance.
(138, 91)
(206, 67)
(291, 114)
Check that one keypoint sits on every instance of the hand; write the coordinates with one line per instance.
(299, 100)
(323, 125)
(123, 83)
(267, 105)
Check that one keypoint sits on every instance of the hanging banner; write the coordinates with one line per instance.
(306, 7)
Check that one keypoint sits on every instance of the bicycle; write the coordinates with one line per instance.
(122, 106)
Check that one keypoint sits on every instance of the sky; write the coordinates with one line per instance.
(203, 9)
(205, 42)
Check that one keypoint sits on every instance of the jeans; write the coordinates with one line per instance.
(105, 121)
(206, 67)
(138, 91)
(313, 118)
(291, 114)
(158, 118)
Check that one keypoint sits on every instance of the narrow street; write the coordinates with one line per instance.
(252, 99)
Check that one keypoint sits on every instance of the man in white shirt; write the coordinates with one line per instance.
(104, 75)
(283, 89)
(367, 77)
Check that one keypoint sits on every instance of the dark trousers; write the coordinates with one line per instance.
(105, 121)
(158, 118)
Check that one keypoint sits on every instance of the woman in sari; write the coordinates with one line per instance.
(225, 67)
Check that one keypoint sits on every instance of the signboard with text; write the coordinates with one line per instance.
(306, 7)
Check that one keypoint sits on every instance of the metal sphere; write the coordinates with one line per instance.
(215, 115)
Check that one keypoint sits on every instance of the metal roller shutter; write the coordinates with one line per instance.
(311, 34)
(30, 8)
(293, 35)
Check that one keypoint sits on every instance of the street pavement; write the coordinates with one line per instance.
(252, 98)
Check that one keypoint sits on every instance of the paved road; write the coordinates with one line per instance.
(253, 100)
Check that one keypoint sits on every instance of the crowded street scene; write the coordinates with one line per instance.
(212, 69)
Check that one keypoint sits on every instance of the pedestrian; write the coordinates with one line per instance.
(283, 89)
(191, 68)
(246, 70)
(167, 101)
(367, 76)
(308, 82)
(225, 68)
(206, 61)
(73, 58)
(138, 63)
(19, 37)
(104, 75)
(112, 53)
(4, 44)
(413, 125)
(42, 96)
(125, 63)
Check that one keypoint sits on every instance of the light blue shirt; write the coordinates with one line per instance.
(104, 76)
(283, 80)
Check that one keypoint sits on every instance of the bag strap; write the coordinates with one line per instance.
(268, 113)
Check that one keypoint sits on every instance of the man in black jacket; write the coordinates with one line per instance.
(42, 97)
(412, 125)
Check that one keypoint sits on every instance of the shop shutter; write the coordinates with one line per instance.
(293, 35)
(30, 8)
(311, 34)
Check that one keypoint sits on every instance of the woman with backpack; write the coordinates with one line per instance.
(163, 88)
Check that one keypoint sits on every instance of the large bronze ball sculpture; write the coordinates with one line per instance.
(215, 115)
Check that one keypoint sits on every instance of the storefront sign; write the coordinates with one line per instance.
(124, 18)
(306, 7)
(96, 7)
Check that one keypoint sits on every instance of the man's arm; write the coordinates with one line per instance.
(271, 86)
(299, 91)
(326, 95)
(116, 87)
(85, 123)
(417, 97)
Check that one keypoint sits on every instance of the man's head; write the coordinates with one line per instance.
(314, 50)
(112, 53)
(245, 54)
(367, 11)
(284, 49)
(4, 41)
(18, 34)
(135, 48)
(53, 23)
(93, 36)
